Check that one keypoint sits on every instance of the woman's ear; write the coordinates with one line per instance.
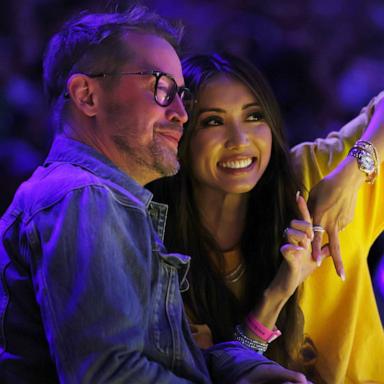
(82, 91)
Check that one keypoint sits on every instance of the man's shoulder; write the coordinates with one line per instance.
(52, 184)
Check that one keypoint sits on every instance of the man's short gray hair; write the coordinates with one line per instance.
(92, 42)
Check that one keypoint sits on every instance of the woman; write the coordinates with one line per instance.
(228, 187)
(229, 205)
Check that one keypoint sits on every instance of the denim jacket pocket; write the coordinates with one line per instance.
(168, 305)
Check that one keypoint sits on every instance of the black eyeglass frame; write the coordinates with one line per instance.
(181, 91)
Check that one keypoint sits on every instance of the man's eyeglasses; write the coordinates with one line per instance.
(165, 89)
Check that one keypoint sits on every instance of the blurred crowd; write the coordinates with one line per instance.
(324, 60)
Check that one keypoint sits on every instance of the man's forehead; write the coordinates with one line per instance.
(151, 52)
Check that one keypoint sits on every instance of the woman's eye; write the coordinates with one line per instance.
(255, 116)
(211, 121)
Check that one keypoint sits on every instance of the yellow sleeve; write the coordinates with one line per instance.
(313, 160)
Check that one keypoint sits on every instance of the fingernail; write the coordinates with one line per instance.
(342, 275)
(318, 262)
(297, 195)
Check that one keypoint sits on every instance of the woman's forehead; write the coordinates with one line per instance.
(224, 87)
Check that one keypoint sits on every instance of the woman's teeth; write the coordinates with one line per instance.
(236, 164)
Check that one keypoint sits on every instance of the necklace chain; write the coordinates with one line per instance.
(236, 274)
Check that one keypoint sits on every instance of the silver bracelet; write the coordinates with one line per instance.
(248, 342)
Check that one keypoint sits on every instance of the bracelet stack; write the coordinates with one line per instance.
(367, 159)
(258, 346)
(262, 332)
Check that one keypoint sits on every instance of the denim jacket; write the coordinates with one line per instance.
(88, 294)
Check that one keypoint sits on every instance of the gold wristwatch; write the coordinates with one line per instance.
(366, 163)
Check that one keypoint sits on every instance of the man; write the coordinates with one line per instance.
(88, 293)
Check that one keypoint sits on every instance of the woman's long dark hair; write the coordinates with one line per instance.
(271, 206)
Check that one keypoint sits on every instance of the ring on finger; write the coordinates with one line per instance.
(318, 228)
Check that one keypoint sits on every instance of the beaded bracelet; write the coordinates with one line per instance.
(248, 342)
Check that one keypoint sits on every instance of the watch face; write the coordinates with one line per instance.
(367, 164)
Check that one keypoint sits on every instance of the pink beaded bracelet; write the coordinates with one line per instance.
(260, 330)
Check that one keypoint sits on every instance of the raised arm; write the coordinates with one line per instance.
(334, 178)
(296, 266)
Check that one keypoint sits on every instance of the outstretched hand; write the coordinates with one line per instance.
(332, 204)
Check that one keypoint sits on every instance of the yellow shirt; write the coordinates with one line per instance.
(342, 317)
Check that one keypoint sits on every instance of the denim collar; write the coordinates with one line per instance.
(66, 150)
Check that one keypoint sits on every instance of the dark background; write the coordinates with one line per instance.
(324, 59)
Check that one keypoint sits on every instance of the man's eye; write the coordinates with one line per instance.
(163, 86)
(163, 90)
(255, 116)
(212, 121)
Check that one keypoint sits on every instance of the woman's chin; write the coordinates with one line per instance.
(238, 188)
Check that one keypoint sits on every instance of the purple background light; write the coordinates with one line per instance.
(324, 60)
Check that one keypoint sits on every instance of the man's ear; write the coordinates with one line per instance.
(82, 90)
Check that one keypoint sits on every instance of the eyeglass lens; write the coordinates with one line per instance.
(166, 89)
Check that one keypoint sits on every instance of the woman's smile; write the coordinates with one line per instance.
(244, 164)
(231, 143)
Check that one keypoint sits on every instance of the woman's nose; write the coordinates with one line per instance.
(237, 137)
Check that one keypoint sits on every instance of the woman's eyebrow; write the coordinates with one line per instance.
(202, 110)
(251, 105)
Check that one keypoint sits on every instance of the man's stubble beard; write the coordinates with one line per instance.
(165, 160)
(154, 157)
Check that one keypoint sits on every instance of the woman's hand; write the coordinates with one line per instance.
(332, 203)
(202, 335)
(298, 263)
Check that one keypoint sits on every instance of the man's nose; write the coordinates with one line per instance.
(176, 111)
